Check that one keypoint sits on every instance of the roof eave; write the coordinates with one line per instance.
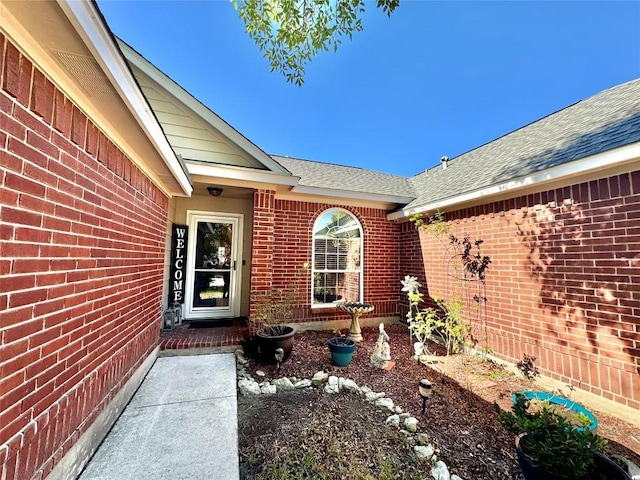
(374, 197)
(89, 24)
(593, 163)
(240, 173)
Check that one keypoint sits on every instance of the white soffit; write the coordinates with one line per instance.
(89, 24)
(592, 164)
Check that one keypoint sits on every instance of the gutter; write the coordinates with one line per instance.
(90, 25)
(594, 163)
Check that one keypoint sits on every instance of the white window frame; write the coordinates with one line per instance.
(313, 258)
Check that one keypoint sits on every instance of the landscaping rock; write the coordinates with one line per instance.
(373, 396)
(411, 424)
(351, 386)
(268, 389)
(440, 471)
(385, 404)
(404, 416)
(392, 420)
(304, 383)
(319, 378)
(283, 383)
(248, 387)
(332, 385)
(424, 452)
(260, 373)
(423, 439)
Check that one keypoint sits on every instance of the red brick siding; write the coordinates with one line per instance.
(80, 273)
(564, 283)
(290, 247)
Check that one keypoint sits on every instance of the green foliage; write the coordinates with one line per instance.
(444, 320)
(290, 33)
(274, 308)
(553, 443)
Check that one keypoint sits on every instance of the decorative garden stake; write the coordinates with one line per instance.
(279, 355)
(424, 388)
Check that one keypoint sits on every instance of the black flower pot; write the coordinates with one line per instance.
(342, 349)
(271, 338)
(604, 468)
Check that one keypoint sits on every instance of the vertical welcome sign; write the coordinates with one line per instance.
(178, 263)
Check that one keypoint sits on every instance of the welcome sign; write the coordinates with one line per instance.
(178, 263)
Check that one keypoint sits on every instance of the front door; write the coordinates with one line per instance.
(213, 276)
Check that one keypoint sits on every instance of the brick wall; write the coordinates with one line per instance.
(82, 234)
(564, 283)
(290, 247)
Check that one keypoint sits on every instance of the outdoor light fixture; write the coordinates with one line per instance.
(424, 388)
(279, 354)
(214, 191)
(168, 319)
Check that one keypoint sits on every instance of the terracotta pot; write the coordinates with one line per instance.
(269, 339)
(603, 466)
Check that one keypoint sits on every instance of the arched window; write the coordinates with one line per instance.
(337, 258)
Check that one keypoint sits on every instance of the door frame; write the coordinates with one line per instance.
(235, 288)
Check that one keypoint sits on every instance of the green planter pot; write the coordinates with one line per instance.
(342, 349)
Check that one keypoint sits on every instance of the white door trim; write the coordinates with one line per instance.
(233, 310)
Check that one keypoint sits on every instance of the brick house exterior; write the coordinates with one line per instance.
(94, 177)
(82, 269)
(564, 282)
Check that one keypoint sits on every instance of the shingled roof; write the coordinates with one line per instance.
(607, 120)
(330, 176)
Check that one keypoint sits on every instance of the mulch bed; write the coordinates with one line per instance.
(460, 418)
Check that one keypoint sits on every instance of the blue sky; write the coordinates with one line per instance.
(437, 78)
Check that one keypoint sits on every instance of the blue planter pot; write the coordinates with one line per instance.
(342, 349)
(562, 401)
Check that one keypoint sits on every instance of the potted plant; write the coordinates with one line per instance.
(549, 445)
(342, 349)
(273, 311)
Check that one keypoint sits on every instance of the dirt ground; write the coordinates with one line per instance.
(349, 433)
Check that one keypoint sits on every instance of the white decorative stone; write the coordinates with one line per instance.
(385, 404)
(268, 389)
(319, 378)
(392, 420)
(411, 424)
(373, 396)
(439, 471)
(404, 416)
(283, 383)
(398, 409)
(365, 390)
(455, 477)
(248, 387)
(304, 383)
(423, 452)
(260, 373)
(423, 439)
(351, 386)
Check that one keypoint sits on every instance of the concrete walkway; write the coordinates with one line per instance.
(182, 423)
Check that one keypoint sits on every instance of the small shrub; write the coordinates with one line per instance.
(528, 367)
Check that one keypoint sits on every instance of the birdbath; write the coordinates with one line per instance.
(355, 309)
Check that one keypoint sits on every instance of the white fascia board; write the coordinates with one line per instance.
(239, 173)
(90, 26)
(373, 197)
(600, 161)
(200, 109)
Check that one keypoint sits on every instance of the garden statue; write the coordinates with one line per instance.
(381, 352)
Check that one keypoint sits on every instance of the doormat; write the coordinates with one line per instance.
(227, 322)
